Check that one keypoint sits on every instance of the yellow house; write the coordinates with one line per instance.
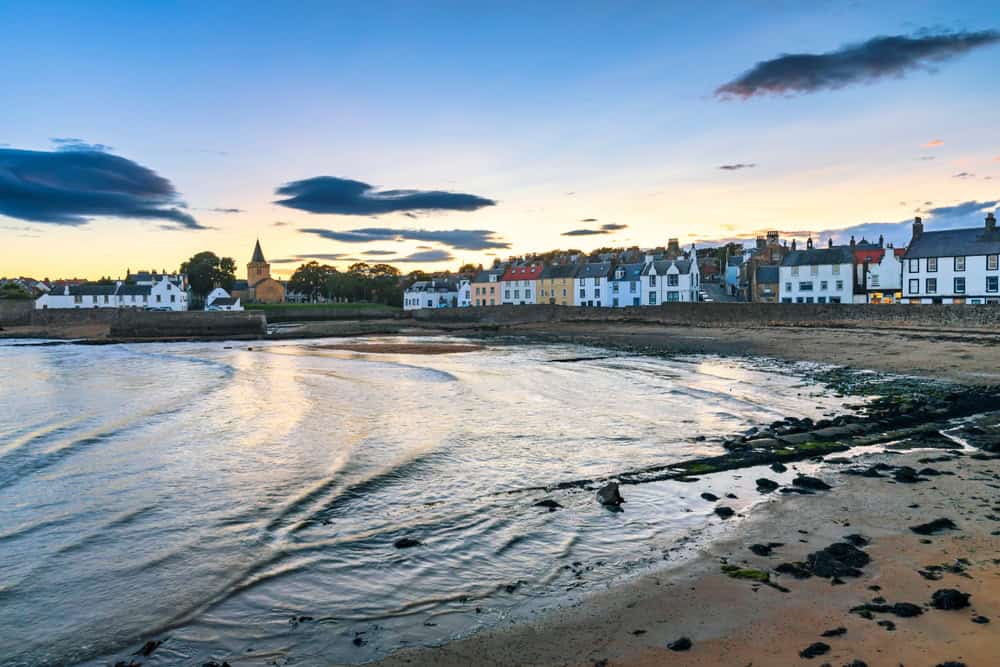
(485, 287)
(556, 284)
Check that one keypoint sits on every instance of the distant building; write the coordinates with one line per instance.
(219, 299)
(592, 287)
(436, 293)
(626, 285)
(817, 275)
(519, 282)
(556, 285)
(669, 280)
(485, 287)
(766, 281)
(878, 272)
(164, 294)
(259, 287)
(954, 265)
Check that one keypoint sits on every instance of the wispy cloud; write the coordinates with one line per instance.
(80, 182)
(74, 144)
(607, 228)
(926, 157)
(425, 256)
(226, 210)
(964, 174)
(589, 220)
(460, 239)
(934, 143)
(378, 253)
(877, 58)
(961, 210)
(737, 166)
(341, 196)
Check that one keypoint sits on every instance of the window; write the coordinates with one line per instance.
(787, 299)
(806, 286)
(800, 300)
(834, 299)
(527, 294)
(795, 270)
(814, 270)
(583, 293)
(914, 266)
(652, 298)
(959, 285)
(874, 280)
(583, 282)
(930, 285)
(809, 299)
(614, 287)
(960, 264)
(840, 284)
(992, 262)
(992, 283)
(914, 285)
(564, 291)
(673, 296)
(788, 287)
(159, 298)
(506, 294)
(932, 264)
(836, 269)
(77, 298)
(517, 294)
(173, 298)
(652, 280)
(596, 279)
(823, 284)
(821, 299)
(673, 280)
(632, 286)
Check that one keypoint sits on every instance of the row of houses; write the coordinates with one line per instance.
(669, 277)
(144, 290)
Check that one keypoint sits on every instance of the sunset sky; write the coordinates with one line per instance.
(133, 135)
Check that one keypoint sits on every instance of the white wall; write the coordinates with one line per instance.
(829, 281)
(593, 291)
(518, 291)
(975, 274)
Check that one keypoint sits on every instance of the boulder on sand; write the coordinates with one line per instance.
(950, 599)
(765, 485)
(811, 483)
(609, 495)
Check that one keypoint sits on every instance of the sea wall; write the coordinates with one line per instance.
(294, 313)
(717, 314)
(191, 324)
(14, 312)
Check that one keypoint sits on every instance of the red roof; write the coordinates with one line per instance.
(899, 252)
(871, 255)
(532, 271)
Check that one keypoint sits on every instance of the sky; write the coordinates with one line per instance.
(133, 135)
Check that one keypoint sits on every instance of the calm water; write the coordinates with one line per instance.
(209, 493)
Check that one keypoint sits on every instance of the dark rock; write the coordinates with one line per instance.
(148, 648)
(682, 644)
(638, 632)
(811, 483)
(548, 503)
(815, 649)
(710, 497)
(900, 609)
(838, 560)
(797, 570)
(778, 466)
(906, 475)
(731, 496)
(609, 495)
(213, 663)
(856, 663)
(888, 625)
(406, 543)
(765, 485)
(836, 632)
(761, 549)
(950, 663)
(949, 599)
(857, 540)
(802, 492)
(359, 641)
(935, 526)
(724, 512)
(981, 620)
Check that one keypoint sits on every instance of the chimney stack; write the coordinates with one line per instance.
(881, 241)
(809, 243)
(829, 243)
(991, 222)
(918, 227)
(793, 244)
(852, 241)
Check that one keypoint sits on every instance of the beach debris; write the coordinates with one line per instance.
(710, 497)
(811, 483)
(906, 475)
(836, 632)
(840, 559)
(900, 609)
(148, 648)
(856, 663)
(981, 620)
(765, 485)
(552, 505)
(949, 599)
(609, 495)
(814, 650)
(724, 512)
(888, 625)
(682, 644)
(950, 663)
(933, 527)
(406, 543)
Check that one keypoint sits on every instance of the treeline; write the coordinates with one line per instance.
(361, 282)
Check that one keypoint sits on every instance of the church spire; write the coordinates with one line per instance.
(258, 254)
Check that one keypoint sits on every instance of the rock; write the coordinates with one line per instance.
(857, 540)
(682, 644)
(359, 641)
(900, 609)
(765, 485)
(731, 495)
(836, 632)
(710, 497)
(148, 648)
(213, 663)
(549, 503)
(802, 492)
(950, 599)
(856, 663)
(778, 466)
(815, 649)
(761, 549)
(837, 560)
(981, 620)
(906, 475)
(797, 570)
(609, 495)
(950, 663)
(888, 625)
(406, 543)
(933, 527)
(724, 512)
(811, 483)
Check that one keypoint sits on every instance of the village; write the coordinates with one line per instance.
(952, 266)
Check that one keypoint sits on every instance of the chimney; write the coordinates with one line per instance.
(793, 244)
(772, 237)
(918, 227)
(829, 243)
(881, 241)
(761, 242)
(673, 248)
(991, 222)
(809, 243)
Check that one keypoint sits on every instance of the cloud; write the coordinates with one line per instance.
(589, 220)
(377, 253)
(73, 144)
(425, 256)
(280, 223)
(226, 210)
(737, 166)
(460, 239)
(326, 194)
(73, 186)
(877, 58)
(964, 174)
(927, 157)
(603, 229)
(934, 143)
(961, 210)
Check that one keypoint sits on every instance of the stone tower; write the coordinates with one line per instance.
(258, 269)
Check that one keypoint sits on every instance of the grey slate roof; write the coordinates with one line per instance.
(560, 271)
(258, 254)
(663, 265)
(838, 254)
(484, 276)
(127, 289)
(594, 270)
(91, 289)
(240, 285)
(223, 301)
(954, 243)
(767, 274)
(632, 272)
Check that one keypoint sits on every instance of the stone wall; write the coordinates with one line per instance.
(68, 316)
(294, 313)
(14, 312)
(983, 317)
(193, 324)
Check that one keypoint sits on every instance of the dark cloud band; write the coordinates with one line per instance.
(607, 228)
(460, 239)
(326, 194)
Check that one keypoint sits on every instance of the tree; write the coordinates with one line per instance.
(13, 291)
(206, 270)
(311, 279)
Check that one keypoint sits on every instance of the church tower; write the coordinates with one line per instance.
(258, 269)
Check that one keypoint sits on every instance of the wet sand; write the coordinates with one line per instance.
(403, 348)
(738, 622)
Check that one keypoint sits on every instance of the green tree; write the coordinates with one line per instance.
(311, 279)
(13, 291)
(206, 270)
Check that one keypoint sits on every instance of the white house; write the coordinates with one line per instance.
(161, 295)
(670, 281)
(878, 271)
(625, 285)
(220, 299)
(464, 292)
(437, 293)
(817, 275)
(954, 265)
(592, 287)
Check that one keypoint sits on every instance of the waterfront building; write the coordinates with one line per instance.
(435, 293)
(817, 275)
(164, 294)
(556, 285)
(953, 265)
(878, 272)
(519, 282)
(260, 287)
(592, 287)
(220, 299)
(625, 285)
(485, 287)
(669, 280)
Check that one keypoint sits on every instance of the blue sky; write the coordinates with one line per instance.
(555, 114)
